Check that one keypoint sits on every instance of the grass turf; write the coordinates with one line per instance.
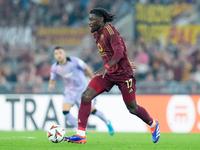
(37, 140)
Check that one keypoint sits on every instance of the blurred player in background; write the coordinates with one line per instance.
(72, 70)
(116, 71)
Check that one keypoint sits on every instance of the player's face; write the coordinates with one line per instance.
(94, 22)
(59, 55)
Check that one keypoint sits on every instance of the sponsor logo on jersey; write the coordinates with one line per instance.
(67, 75)
(131, 90)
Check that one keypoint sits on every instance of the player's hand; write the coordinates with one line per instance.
(133, 66)
(51, 86)
(102, 71)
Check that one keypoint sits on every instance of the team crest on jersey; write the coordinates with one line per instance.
(101, 50)
(99, 47)
(102, 36)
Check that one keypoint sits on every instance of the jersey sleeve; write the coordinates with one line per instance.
(116, 43)
(53, 74)
(78, 62)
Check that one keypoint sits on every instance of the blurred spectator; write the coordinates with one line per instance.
(55, 13)
(9, 75)
(44, 70)
(36, 87)
(192, 86)
(142, 60)
(4, 85)
(197, 74)
(41, 55)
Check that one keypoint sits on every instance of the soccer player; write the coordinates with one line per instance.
(116, 71)
(72, 70)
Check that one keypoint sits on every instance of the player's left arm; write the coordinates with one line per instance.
(133, 66)
(89, 72)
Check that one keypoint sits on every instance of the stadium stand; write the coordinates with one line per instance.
(162, 69)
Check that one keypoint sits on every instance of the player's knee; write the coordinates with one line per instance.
(65, 112)
(86, 97)
(93, 112)
(133, 110)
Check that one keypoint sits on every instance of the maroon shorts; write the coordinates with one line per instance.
(125, 83)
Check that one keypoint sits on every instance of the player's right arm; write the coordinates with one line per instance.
(53, 76)
(89, 72)
(51, 84)
(102, 71)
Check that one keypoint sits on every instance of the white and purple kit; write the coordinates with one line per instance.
(73, 75)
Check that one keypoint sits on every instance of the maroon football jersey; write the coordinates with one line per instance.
(111, 46)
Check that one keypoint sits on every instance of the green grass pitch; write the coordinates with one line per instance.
(37, 140)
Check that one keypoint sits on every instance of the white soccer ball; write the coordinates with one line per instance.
(56, 133)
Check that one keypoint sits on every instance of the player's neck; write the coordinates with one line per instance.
(101, 28)
(63, 62)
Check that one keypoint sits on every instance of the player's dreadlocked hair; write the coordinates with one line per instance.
(103, 13)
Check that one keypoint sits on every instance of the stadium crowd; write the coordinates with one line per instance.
(60, 13)
(161, 70)
(55, 13)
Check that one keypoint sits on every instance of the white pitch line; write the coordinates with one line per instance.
(20, 137)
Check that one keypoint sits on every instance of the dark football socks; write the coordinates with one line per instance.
(83, 115)
(143, 114)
